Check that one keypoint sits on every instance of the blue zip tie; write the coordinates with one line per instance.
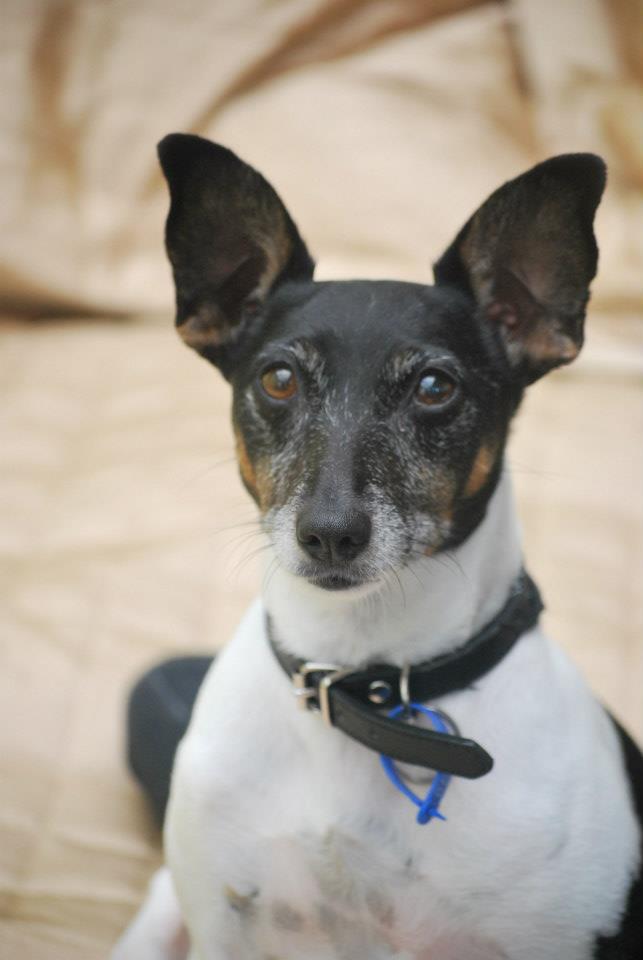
(429, 807)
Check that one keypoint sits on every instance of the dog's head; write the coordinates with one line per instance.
(371, 417)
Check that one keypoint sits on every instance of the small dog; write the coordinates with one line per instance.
(371, 420)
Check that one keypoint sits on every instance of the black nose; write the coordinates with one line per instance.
(329, 536)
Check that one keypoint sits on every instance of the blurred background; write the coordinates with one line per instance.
(123, 534)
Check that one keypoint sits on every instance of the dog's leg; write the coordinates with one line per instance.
(157, 932)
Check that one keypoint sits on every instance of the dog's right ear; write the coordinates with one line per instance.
(230, 241)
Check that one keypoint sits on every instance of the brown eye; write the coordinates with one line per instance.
(280, 383)
(434, 388)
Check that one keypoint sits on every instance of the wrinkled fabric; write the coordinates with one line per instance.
(125, 535)
(381, 123)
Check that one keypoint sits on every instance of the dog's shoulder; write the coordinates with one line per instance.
(627, 944)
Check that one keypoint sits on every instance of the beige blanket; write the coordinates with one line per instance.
(122, 523)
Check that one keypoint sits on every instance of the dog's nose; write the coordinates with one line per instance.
(331, 536)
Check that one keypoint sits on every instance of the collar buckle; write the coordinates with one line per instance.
(316, 696)
(307, 696)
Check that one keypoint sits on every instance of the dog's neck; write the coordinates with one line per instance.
(430, 607)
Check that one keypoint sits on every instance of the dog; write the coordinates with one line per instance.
(371, 419)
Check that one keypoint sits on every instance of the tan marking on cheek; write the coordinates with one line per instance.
(482, 467)
(264, 489)
(446, 519)
(255, 476)
(443, 487)
(245, 465)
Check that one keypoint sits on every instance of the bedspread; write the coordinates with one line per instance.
(125, 535)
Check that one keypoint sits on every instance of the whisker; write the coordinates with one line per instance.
(445, 558)
(238, 530)
(255, 522)
(400, 585)
(449, 555)
(246, 559)
(201, 474)
(415, 574)
(515, 467)
(441, 559)
(242, 538)
(270, 572)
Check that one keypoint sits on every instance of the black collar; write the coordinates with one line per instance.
(353, 699)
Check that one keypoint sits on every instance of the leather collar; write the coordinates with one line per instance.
(354, 700)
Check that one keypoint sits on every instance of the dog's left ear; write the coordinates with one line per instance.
(528, 255)
(230, 241)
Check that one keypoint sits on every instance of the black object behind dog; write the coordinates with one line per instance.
(158, 713)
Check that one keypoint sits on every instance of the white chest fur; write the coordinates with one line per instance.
(286, 840)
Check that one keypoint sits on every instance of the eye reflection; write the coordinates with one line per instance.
(279, 382)
(434, 388)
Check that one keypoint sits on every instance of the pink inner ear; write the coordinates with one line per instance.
(532, 333)
(513, 307)
(502, 313)
(530, 330)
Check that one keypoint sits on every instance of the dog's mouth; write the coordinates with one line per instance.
(335, 581)
(336, 577)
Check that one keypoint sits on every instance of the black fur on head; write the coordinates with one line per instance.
(371, 417)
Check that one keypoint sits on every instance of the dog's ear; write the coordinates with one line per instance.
(230, 241)
(528, 255)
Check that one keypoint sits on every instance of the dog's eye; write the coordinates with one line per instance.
(434, 388)
(280, 382)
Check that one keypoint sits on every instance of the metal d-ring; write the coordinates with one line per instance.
(405, 692)
(405, 697)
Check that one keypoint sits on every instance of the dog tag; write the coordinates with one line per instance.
(429, 806)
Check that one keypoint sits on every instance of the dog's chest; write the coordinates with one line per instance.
(325, 860)
(334, 895)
